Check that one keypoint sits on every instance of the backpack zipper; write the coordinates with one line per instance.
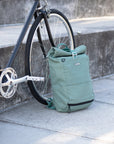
(80, 103)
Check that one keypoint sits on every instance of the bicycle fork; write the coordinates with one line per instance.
(45, 16)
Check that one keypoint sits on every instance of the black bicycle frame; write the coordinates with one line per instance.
(32, 13)
(21, 37)
(24, 30)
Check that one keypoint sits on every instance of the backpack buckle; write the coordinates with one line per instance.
(74, 54)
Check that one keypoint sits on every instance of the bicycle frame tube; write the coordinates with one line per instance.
(48, 30)
(21, 37)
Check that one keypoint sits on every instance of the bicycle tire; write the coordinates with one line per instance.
(34, 46)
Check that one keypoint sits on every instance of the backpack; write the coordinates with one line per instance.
(70, 79)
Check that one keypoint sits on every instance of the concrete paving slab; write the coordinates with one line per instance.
(104, 89)
(103, 85)
(20, 134)
(105, 96)
(96, 122)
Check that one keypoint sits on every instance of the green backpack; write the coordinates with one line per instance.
(70, 79)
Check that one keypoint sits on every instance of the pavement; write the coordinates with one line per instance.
(33, 123)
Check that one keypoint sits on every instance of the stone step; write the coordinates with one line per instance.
(10, 33)
(96, 33)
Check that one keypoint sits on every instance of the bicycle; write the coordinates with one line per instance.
(50, 27)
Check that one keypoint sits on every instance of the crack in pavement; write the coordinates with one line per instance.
(51, 130)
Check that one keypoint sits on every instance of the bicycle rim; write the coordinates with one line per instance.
(38, 64)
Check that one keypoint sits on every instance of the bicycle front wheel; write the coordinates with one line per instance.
(37, 47)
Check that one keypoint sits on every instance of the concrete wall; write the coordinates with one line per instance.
(100, 48)
(14, 11)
